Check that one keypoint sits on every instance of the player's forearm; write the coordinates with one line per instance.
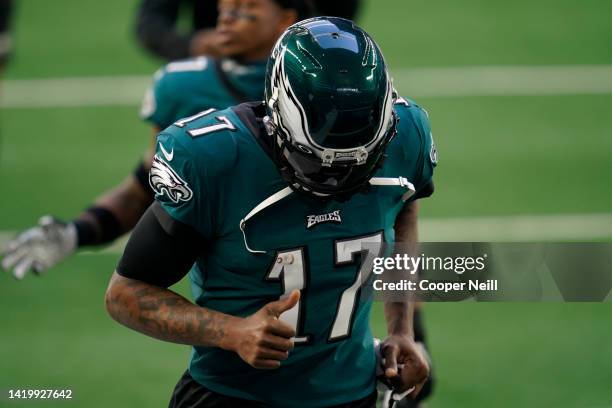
(165, 315)
(399, 318)
(155, 29)
(399, 314)
(113, 214)
(406, 228)
(128, 202)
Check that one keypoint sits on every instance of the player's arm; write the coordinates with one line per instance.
(111, 215)
(159, 253)
(125, 203)
(399, 348)
(6, 7)
(156, 29)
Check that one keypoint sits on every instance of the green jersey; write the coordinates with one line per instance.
(213, 172)
(183, 88)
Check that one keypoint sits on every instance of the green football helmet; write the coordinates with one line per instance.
(329, 102)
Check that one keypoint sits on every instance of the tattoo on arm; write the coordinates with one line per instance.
(164, 314)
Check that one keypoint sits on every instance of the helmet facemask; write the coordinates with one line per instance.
(326, 178)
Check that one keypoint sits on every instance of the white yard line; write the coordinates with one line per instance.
(73, 92)
(517, 228)
(413, 82)
(505, 81)
(523, 228)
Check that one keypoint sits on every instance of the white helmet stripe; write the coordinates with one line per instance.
(292, 116)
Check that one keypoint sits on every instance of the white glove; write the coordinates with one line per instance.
(40, 247)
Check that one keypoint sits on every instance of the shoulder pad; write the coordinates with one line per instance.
(187, 65)
(209, 137)
(413, 144)
(180, 74)
(171, 86)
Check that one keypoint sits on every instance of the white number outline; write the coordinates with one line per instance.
(181, 123)
(345, 253)
(276, 273)
(225, 124)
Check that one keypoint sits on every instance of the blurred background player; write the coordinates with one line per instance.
(180, 89)
(157, 23)
(6, 7)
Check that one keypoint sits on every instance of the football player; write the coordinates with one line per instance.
(267, 206)
(157, 24)
(249, 31)
(6, 7)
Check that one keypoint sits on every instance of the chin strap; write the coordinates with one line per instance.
(395, 181)
(279, 195)
(273, 199)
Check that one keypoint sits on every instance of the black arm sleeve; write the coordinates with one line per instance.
(426, 191)
(156, 25)
(160, 250)
(6, 7)
(156, 29)
(338, 8)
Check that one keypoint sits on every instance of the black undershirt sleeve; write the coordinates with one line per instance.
(157, 25)
(141, 174)
(160, 250)
(425, 191)
(338, 8)
(156, 29)
(6, 7)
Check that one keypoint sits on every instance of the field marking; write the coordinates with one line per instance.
(414, 82)
(522, 228)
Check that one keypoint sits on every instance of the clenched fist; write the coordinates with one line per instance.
(405, 362)
(262, 339)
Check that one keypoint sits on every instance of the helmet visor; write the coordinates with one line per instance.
(335, 128)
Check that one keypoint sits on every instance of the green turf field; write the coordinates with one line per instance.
(499, 156)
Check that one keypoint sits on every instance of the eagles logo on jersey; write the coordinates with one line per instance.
(165, 181)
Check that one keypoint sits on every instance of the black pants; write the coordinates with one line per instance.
(188, 393)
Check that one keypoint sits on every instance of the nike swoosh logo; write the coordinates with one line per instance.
(168, 156)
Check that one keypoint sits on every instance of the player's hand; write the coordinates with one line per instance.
(40, 247)
(263, 340)
(405, 364)
(208, 42)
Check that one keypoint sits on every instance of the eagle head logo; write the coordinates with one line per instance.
(165, 181)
